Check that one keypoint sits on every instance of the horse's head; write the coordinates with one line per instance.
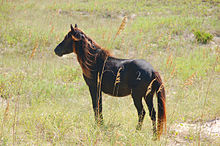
(84, 47)
(68, 45)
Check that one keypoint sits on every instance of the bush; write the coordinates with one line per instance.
(203, 37)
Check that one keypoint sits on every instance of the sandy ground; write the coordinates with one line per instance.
(189, 133)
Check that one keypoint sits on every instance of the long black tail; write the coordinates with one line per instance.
(161, 99)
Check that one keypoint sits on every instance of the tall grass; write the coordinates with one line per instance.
(44, 100)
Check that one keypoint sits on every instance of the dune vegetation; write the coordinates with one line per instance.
(45, 101)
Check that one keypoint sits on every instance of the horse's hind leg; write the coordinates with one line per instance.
(152, 113)
(141, 112)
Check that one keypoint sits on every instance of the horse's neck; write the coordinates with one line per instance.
(93, 61)
(87, 61)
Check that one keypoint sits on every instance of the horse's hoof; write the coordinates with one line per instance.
(100, 123)
(154, 138)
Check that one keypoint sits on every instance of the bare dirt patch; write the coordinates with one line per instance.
(186, 133)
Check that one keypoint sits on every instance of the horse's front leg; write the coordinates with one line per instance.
(97, 104)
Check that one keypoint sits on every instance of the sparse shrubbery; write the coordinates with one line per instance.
(202, 37)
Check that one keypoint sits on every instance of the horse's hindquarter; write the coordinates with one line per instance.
(143, 73)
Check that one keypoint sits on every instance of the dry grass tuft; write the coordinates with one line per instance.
(122, 26)
(149, 88)
(34, 50)
(99, 82)
(190, 80)
(161, 87)
(117, 80)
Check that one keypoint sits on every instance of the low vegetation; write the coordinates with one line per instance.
(44, 100)
(203, 37)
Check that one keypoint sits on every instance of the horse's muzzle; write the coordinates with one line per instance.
(57, 52)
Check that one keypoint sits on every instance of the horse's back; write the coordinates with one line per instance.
(142, 68)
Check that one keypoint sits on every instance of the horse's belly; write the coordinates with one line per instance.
(121, 90)
(117, 91)
(115, 87)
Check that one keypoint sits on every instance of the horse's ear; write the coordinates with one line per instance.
(75, 25)
(72, 29)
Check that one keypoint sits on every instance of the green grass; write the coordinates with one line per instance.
(44, 99)
(203, 37)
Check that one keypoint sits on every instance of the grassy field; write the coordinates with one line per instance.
(45, 101)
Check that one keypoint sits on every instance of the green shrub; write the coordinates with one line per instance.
(202, 37)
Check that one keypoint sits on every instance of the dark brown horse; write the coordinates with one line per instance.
(116, 77)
